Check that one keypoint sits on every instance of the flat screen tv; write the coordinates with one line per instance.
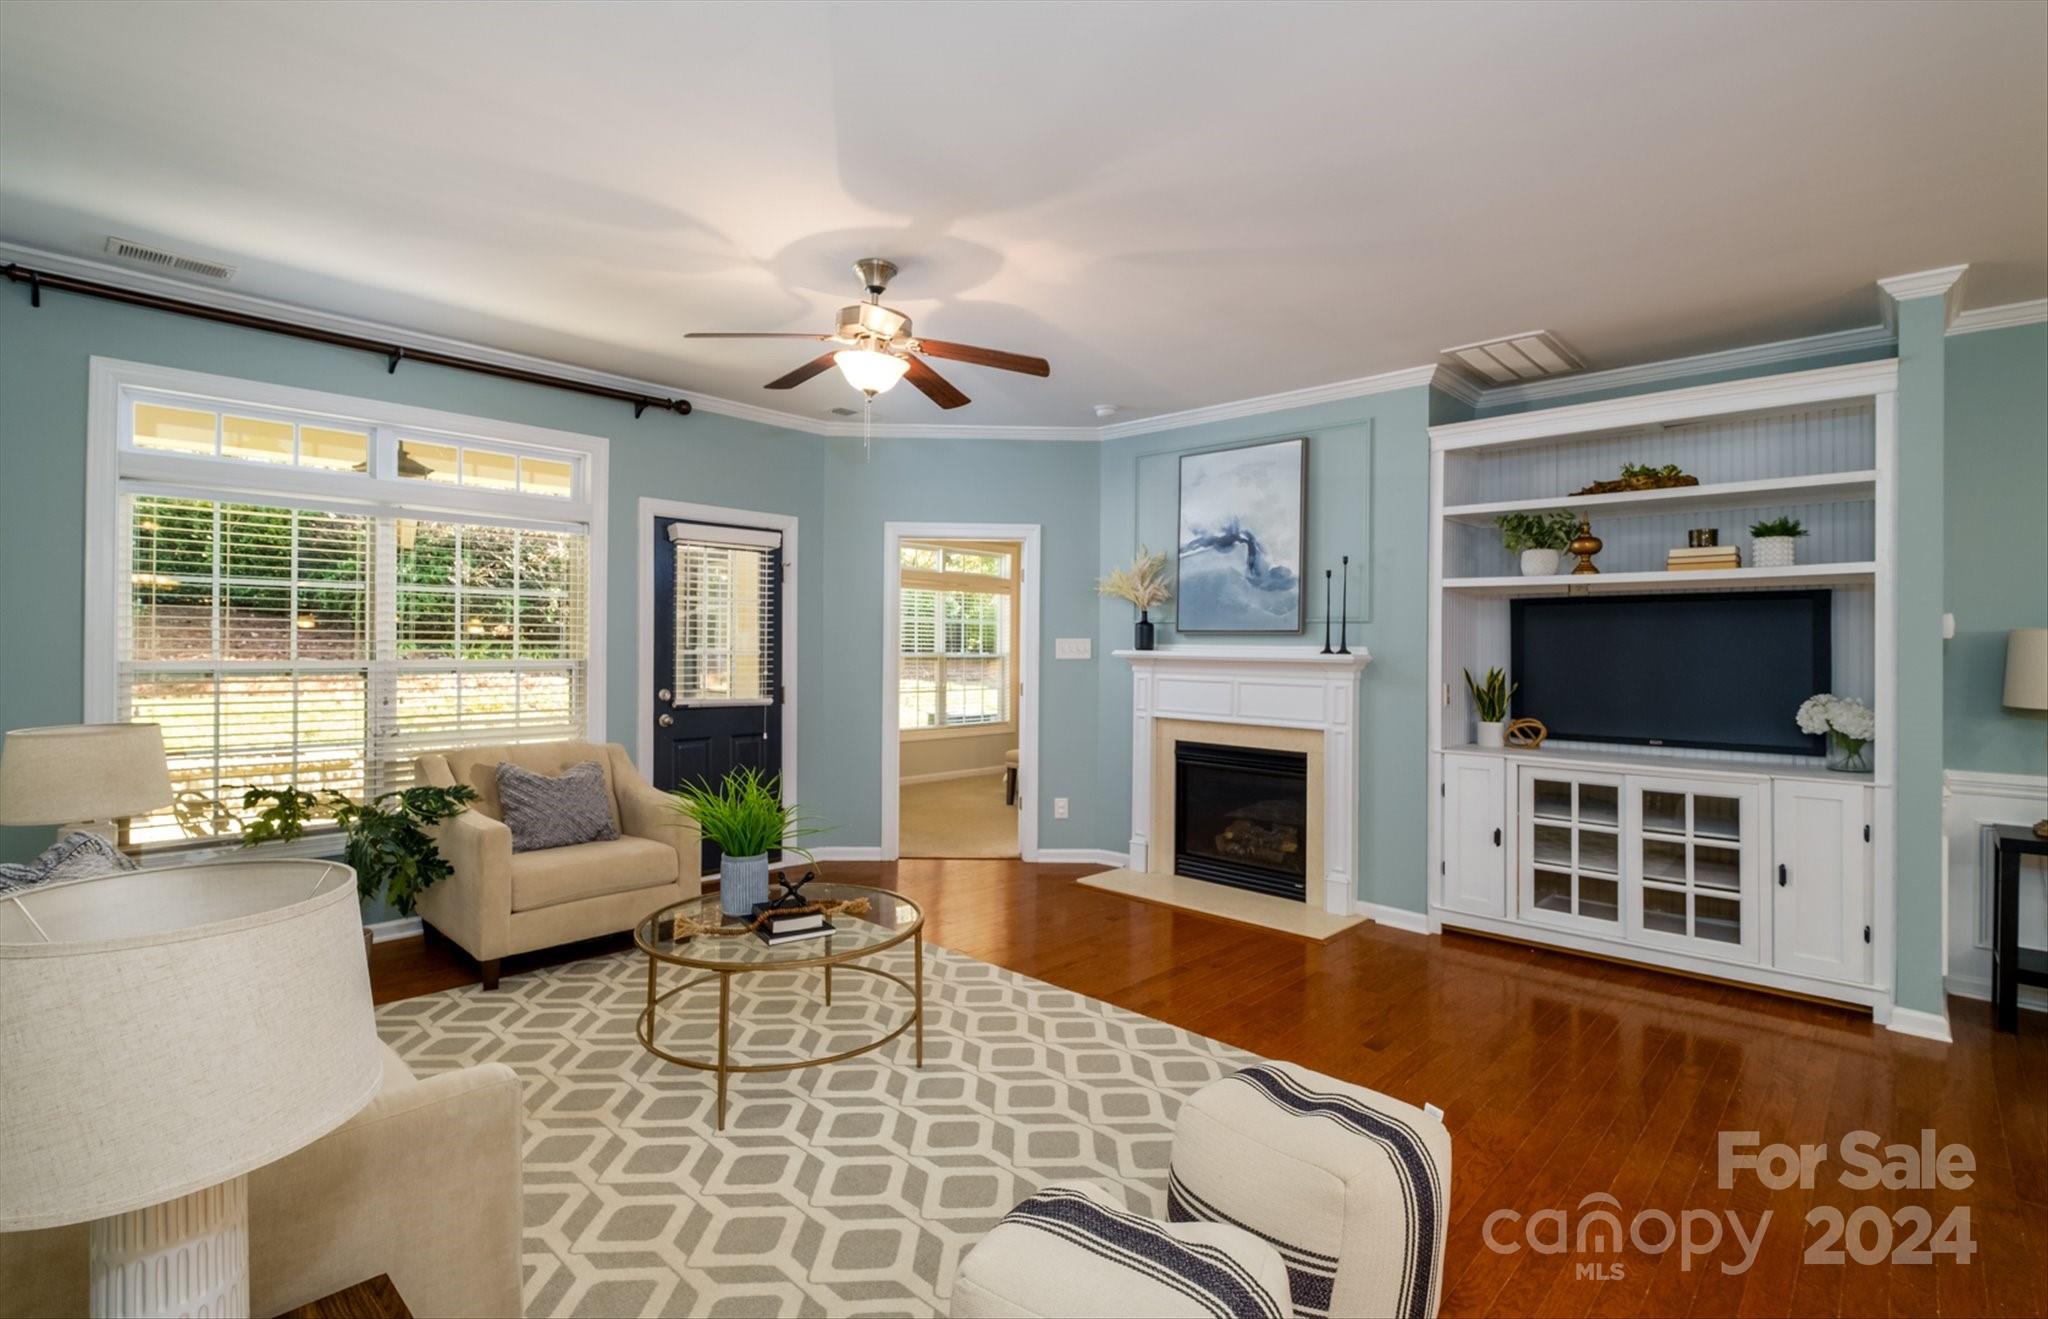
(1725, 671)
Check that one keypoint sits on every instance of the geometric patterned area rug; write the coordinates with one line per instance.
(852, 1188)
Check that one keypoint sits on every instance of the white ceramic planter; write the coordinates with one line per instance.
(1539, 563)
(1773, 551)
(1493, 735)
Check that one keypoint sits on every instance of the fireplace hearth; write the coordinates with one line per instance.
(1241, 817)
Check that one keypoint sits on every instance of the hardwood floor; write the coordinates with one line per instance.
(1560, 1078)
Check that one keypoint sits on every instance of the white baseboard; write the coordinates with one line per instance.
(847, 853)
(405, 927)
(979, 771)
(1399, 917)
(1081, 856)
(1926, 1025)
(2033, 998)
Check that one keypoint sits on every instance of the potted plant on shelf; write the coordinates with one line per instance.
(385, 838)
(1538, 537)
(745, 816)
(1849, 726)
(1490, 704)
(1773, 544)
(1144, 584)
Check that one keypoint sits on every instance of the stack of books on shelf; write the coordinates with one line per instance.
(1704, 558)
(789, 925)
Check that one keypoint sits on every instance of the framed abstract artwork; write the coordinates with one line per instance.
(1243, 528)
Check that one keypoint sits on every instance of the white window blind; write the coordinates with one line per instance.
(724, 614)
(324, 634)
(955, 618)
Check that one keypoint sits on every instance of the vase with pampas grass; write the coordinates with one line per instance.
(1144, 585)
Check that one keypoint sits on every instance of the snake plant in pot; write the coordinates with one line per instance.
(1490, 704)
(744, 814)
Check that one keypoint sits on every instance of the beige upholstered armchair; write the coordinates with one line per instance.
(423, 1184)
(500, 902)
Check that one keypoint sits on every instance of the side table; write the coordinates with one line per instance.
(2012, 965)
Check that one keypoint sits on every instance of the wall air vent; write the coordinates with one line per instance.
(129, 250)
(1536, 355)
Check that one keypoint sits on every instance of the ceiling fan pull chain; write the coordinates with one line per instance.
(867, 429)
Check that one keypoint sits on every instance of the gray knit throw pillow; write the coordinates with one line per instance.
(559, 811)
(74, 856)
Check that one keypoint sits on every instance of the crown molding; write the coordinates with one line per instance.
(2003, 317)
(1944, 282)
(1386, 382)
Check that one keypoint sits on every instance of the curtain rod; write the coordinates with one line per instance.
(392, 354)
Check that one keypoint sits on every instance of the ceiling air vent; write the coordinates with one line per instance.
(844, 412)
(130, 250)
(1513, 358)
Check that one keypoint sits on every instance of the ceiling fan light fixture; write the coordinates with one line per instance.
(870, 370)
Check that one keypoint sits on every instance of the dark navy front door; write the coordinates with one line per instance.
(717, 654)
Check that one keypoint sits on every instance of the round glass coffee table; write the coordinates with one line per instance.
(890, 919)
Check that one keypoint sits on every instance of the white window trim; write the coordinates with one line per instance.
(108, 465)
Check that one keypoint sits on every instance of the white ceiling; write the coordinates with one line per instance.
(1178, 205)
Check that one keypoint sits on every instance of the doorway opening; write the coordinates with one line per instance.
(959, 716)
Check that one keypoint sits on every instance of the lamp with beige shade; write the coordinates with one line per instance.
(2026, 678)
(83, 777)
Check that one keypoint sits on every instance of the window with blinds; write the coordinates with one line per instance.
(956, 618)
(724, 614)
(293, 638)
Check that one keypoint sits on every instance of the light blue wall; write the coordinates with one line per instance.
(1917, 753)
(840, 501)
(1997, 533)
(1052, 485)
(1368, 483)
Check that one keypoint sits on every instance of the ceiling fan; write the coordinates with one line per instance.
(880, 350)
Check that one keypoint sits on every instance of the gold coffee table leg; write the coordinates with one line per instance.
(724, 1031)
(828, 986)
(917, 961)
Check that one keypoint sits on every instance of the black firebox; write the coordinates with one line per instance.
(1240, 817)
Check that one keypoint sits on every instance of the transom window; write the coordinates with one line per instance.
(957, 615)
(313, 599)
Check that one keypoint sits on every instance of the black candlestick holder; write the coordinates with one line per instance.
(1344, 613)
(1326, 612)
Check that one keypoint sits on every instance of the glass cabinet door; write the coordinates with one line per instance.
(1694, 847)
(1571, 849)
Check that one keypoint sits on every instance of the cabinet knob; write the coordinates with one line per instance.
(1496, 838)
(1784, 877)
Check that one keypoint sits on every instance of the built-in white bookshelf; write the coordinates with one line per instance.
(1818, 446)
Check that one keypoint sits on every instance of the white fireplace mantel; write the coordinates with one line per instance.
(1262, 686)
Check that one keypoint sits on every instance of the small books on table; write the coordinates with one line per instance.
(781, 925)
(1703, 558)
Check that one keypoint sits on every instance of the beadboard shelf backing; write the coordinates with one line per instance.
(1825, 487)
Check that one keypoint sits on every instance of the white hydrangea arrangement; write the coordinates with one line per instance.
(1848, 723)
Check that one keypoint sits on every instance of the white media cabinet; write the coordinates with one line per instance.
(1764, 869)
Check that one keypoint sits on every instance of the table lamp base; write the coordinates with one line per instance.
(188, 1256)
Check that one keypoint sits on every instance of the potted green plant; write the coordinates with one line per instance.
(1490, 704)
(1773, 544)
(1143, 584)
(744, 814)
(385, 838)
(1538, 537)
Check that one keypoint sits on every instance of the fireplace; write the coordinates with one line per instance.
(1241, 817)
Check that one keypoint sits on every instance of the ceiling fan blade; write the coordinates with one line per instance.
(702, 334)
(1002, 361)
(802, 373)
(933, 385)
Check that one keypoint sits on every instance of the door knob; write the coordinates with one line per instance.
(666, 720)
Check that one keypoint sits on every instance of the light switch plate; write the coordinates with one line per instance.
(1059, 808)
(1073, 647)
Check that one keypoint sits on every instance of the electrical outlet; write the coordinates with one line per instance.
(1073, 647)
(1059, 808)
